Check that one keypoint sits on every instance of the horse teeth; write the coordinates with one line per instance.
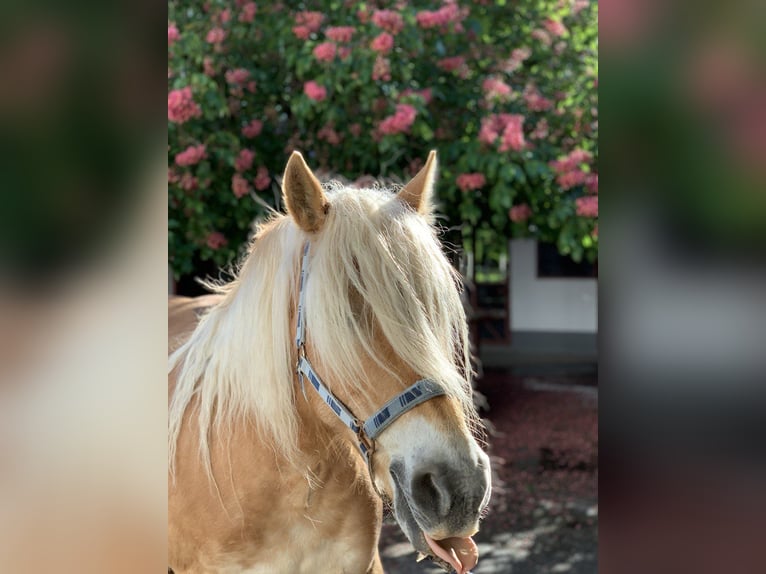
(420, 557)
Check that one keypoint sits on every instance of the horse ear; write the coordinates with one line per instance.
(417, 193)
(305, 200)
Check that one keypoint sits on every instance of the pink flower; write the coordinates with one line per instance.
(381, 70)
(173, 34)
(215, 240)
(251, 85)
(520, 213)
(215, 36)
(188, 182)
(314, 91)
(442, 17)
(325, 52)
(400, 122)
(191, 155)
(426, 95)
(238, 76)
(181, 106)
(239, 185)
(535, 101)
(172, 175)
(328, 134)
(570, 179)
(355, 130)
(517, 58)
(302, 32)
(579, 5)
(496, 90)
(571, 161)
(207, 66)
(541, 130)
(587, 206)
(262, 179)
(507, 127)
(311, 20)
(554, 27)
(344, 52)
(468, 181)
(253, 129)
(591, 183)
(388, 20)
(225, 16)
(340, 34)
(451, 64)
(383, 43)
(542, 36)
(248, 12)
(244, 160)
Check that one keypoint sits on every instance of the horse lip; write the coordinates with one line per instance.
(402, 506)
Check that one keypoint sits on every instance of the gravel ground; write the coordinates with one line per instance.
(544, 449)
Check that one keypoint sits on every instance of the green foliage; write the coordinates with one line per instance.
(341, 134)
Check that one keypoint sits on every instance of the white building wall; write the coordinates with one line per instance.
(557, 305)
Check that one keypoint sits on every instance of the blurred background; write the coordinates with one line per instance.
(84, 275)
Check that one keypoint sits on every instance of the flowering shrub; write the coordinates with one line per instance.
(506, 92)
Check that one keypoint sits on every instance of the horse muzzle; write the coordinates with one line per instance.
(438, 506)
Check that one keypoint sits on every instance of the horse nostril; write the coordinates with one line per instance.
(429, 490)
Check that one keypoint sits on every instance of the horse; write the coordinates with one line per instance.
(330, 377)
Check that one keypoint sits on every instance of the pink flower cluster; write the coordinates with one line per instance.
(253, 129)
(451, 64)
(262, 179)
(173, 34)
(383, 43)
(181, 106)
(426, 94)
(542, 36)
(244, 160)
(388, 20)
(325, 52)
(469, 181)
(215, 36)
(381, 70)
(508, 127)
(314, 91)
(400, 122)
(579, 5)
(516, 60)
(215, 240)
(555, 27)
(520, 213)
(238, 76)
(239, 185)
(191, 155)
(568, 168)
(449, 13)
(307, 22)
(328, 134)
(591, 183)
(571, 161)
(587, 206)
(208, 67)
(534, 99)
(340, 34)
(496, 90)
(541, 130)
(248, 12)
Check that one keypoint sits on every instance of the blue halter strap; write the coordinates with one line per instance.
(367, 431)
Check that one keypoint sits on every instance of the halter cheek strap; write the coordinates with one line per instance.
(370, 429)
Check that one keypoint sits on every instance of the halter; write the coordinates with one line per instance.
(368, 431)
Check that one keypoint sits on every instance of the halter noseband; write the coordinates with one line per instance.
(367, 431)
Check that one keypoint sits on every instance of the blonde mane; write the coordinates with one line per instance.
(375, 269)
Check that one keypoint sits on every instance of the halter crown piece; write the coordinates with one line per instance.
(367, 431)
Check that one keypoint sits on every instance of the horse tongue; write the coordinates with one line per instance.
(460, 553)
